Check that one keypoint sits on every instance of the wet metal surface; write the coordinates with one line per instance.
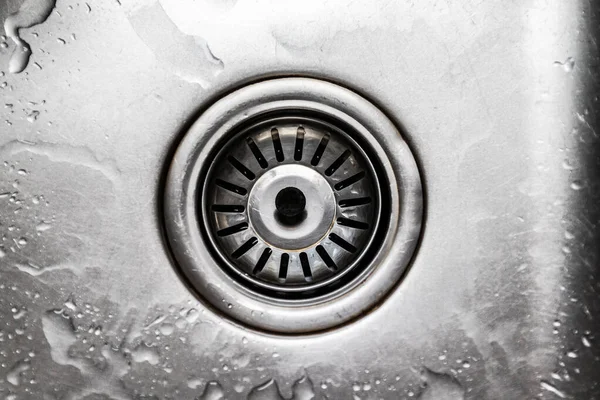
(498, 101)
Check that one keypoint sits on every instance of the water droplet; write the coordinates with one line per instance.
(43, 226)
(212, 391)
(19, 59)
(356, 387)
(238, 387)
(440, 386)
(556, 376)
(366, 387)
(14, 375)
(566, 164)
(303, 389)
(18, 314)
(33, 116)
(551, 388)
(61, 40)
(192, 315)
(60, 334)
(556, 323)
(156, 321)
(586, 342)
(244, 340)
(2, 252)
(143, 353)
(194, 383)
(567, 65)
(30, 13)
(268, 390)
(576, 185)
(200, 63)
(572, 354)
(22, 241)
(166, 329)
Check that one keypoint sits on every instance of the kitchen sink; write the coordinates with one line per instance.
(236, 199)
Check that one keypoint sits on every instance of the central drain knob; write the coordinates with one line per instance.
(277, 208)
(290, 203)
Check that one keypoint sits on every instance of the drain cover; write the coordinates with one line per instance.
(293, 205)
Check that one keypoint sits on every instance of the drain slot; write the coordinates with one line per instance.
(257, 154)
(277, 145)
(233, 229)
(305, 267)
(231, 187)
(283, 266)
(349, 181)
(320, 150)
(326, 258)
(260, 264)
(338, 163)
(342, 243)
(352, 223)
(241, 167)
(228, 208)
(359, 201)
(243, 249)
(299, 144)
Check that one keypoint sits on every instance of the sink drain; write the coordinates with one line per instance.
(293, 205)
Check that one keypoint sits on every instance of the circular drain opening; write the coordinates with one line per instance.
(293, 205)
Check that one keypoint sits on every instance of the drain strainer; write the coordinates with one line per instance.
(293, 205)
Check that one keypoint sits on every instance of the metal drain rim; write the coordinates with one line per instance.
(223, 292)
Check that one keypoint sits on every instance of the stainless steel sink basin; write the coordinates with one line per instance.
(473, 124)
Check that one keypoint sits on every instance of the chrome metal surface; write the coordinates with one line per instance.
(497, 100)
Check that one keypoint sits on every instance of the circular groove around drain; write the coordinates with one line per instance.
(296, 200)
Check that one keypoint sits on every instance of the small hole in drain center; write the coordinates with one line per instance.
(290, 203)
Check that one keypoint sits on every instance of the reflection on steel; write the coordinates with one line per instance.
(498, 102)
